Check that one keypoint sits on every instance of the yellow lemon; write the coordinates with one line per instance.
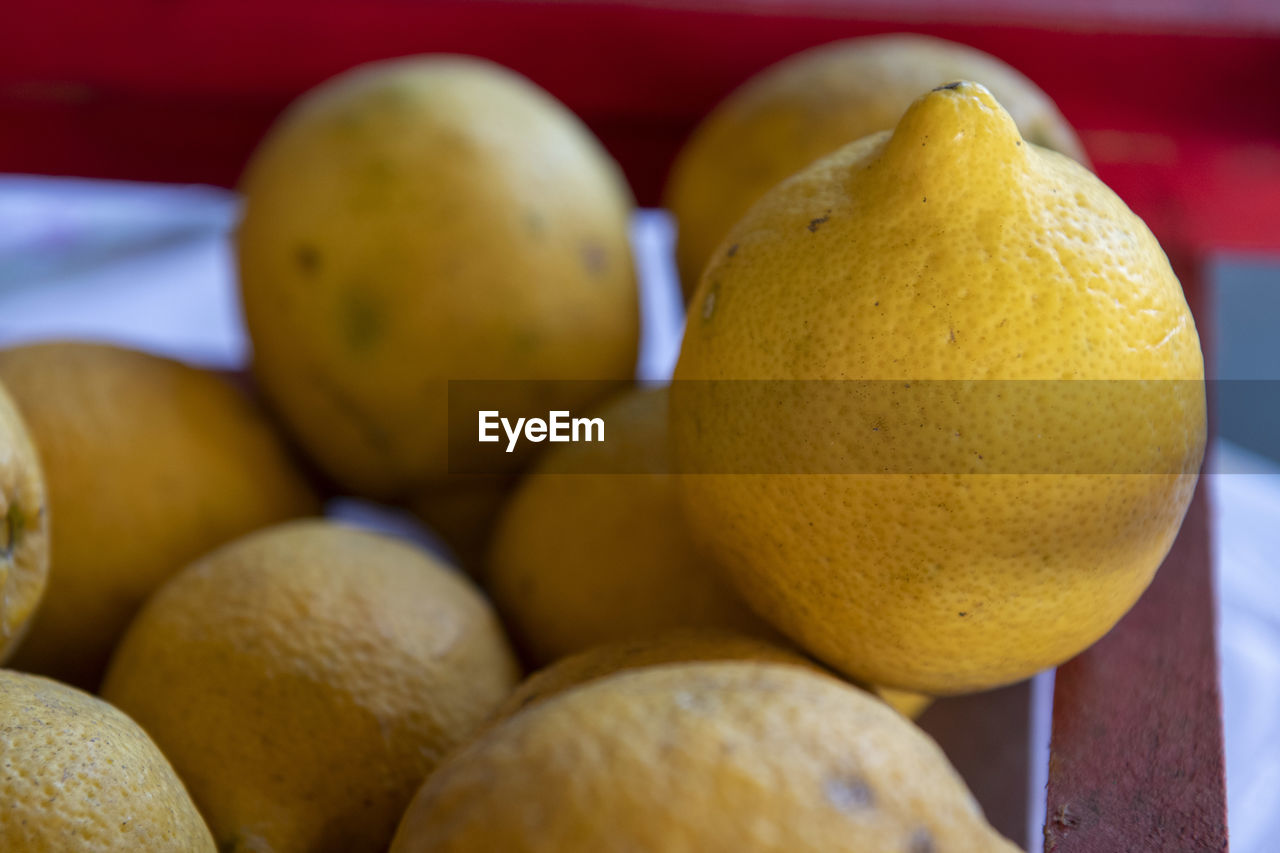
(700, 758)
(305, 679)
(593, 548)
(678, 645)
(812, 103)
(916, 491)
(421, 220)
(76, 775)
(24, 528)
(149, 463)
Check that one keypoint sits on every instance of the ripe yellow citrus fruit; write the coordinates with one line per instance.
(421, 220)
(679, 645)
(919, 493)
(908, 703)
(306, 678)
(78, 775)
(812, 103)
(723, 756)
(593, 548)
(24, 528)
(149, 463)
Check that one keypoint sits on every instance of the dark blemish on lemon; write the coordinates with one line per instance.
(951, 339)
(921, 842)
(955, 85)
(924, 200)
(1018, 143)
(308, 258)
(363, 319)
(877, 304)
(814, 223)
(963, 613)
(595, 258)
(731, 251)
(15, 522)
(848, 793)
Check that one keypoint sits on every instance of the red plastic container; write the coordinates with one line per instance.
(1176, 104)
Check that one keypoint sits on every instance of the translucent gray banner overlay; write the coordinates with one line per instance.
(853, 427)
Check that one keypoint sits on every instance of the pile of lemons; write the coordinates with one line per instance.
(732, 607)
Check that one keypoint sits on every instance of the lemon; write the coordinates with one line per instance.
(24, 528)
(421, 220)
(901, 520)
(906, 702)
(593, 548)
(698, 758)
(78, 775)
(306, 678)
(678, 645)
(149, 463)
(812, 103)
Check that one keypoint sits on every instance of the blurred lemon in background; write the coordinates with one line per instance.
(24, 528)
(812, 103)
(425, 219)
(593, 548)
(149, 463)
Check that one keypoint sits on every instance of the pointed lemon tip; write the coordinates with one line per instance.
(955, 117)
(963, 90)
